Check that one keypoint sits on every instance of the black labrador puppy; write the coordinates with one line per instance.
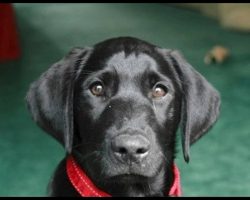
(116, 108)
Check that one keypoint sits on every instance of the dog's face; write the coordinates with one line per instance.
(126, 115)
(117, 107)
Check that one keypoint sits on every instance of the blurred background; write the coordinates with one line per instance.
(34, 36)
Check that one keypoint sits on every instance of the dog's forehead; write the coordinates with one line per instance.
(132, 63)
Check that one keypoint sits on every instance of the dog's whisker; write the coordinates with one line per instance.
(163, 156)
(154, 106)
(86, 156)
(84, 143)
(96, 154)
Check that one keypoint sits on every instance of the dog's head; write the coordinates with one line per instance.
(117, 107)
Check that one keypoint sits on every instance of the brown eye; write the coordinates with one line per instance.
(159, 91)
(97, 89)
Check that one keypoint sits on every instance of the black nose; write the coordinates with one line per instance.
(129, 148)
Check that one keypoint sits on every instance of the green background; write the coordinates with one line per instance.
(219, 163)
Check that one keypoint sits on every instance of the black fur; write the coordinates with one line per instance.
(88, 126)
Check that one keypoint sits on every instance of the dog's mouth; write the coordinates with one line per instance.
(128, 178)
(134, 175)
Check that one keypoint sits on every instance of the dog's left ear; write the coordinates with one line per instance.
(50, 98)
(200, 100)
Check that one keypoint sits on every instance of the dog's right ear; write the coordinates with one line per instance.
(50, 98)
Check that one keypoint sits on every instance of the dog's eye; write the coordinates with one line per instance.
(159, 90)
(97, 89)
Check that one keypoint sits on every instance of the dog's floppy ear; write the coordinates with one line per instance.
(200, 100)
(50, 98)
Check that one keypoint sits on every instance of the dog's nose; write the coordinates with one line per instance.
(129, 148)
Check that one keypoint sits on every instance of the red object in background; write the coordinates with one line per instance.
(9, 43)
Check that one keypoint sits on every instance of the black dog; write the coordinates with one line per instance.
(116, 108)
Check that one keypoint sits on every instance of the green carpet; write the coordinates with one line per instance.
(220, 161)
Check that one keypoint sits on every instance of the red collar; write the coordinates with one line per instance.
(86, 188)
